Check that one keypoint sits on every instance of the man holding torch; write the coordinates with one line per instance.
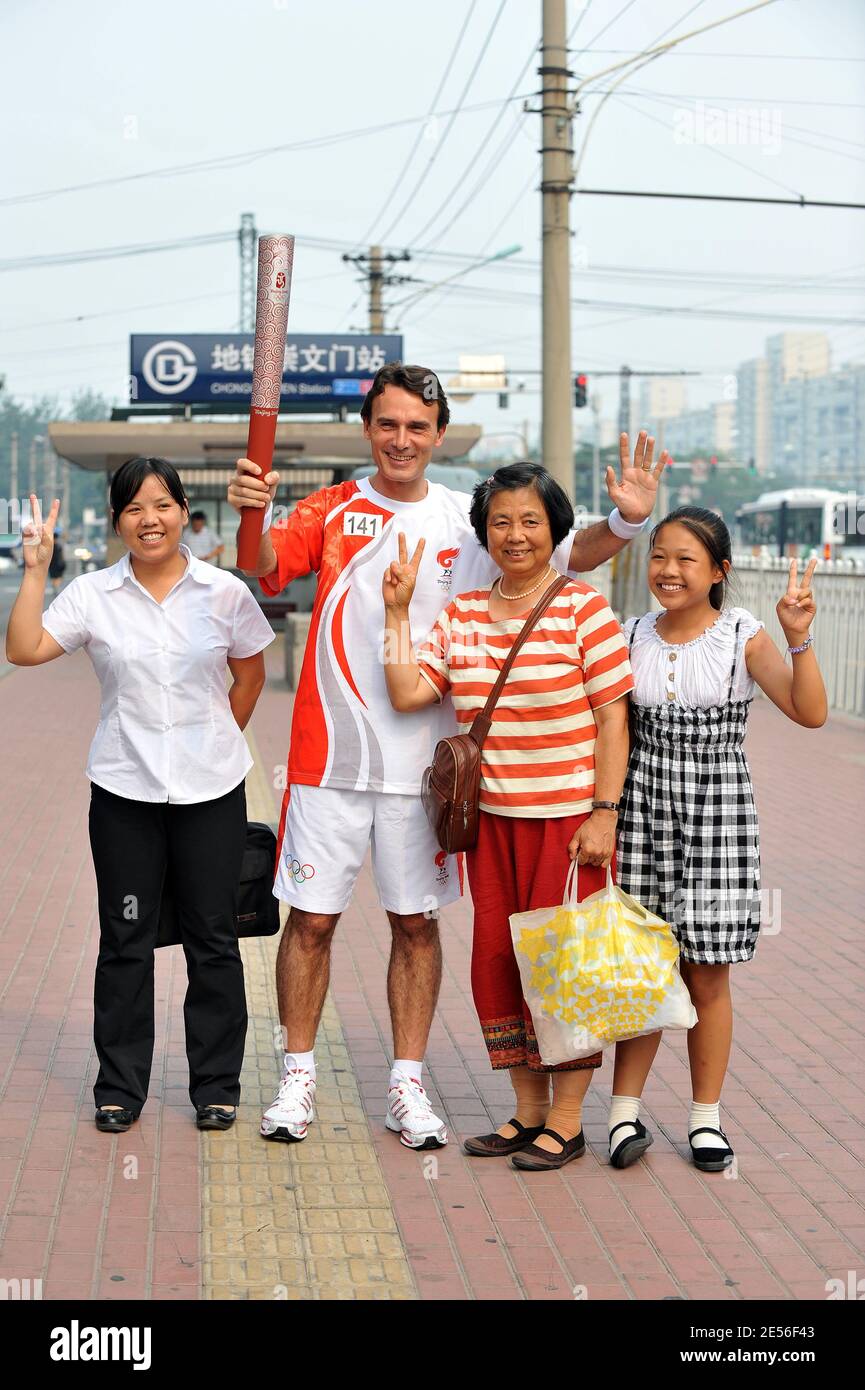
(354, 766)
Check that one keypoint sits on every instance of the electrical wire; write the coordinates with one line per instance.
(441, 143)
(366, 238)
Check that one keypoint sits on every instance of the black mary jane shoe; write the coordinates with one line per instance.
(114, 1121)
(214, 1117)
(536, 1159)
(633, 1147)
(498, 1146)
(711, 1160)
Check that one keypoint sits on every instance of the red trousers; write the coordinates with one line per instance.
(518, 864)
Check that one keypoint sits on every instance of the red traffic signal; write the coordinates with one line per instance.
(580, 391)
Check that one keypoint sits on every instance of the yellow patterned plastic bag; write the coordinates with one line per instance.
(598, 971)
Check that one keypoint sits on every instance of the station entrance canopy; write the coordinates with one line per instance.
(308, 454)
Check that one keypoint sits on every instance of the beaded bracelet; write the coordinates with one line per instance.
(809, 640)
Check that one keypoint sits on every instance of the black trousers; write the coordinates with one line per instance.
(134, 843)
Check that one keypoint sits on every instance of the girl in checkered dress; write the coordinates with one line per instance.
(688, 834)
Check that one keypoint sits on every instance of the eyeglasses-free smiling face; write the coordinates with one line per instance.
(519, 539)
(681, 571)
(151, 525)
(402, 433)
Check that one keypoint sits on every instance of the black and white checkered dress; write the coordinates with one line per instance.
(688, 835)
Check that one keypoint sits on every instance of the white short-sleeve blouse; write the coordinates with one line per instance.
(166, 730)
(693, 674)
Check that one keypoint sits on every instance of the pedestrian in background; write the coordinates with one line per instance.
(167, 767)
(203, 543)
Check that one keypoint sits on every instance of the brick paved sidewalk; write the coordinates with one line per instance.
(164, 1212)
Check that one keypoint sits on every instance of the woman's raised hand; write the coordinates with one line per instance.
(37, 537)
(796, 608)
(635, 492)
(400, 577)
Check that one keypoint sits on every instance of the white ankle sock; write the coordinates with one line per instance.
(623, 1108)
(406, 1069)
(705, 1115)
(304, 1060)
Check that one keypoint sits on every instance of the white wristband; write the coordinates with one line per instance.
(625, 530)
(267, 519)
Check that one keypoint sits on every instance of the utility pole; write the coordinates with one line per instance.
(373, 270)
(596, 455)
(13, 482)
(557, 446)
(248, 242)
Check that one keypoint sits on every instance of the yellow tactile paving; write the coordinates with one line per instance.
(295, 1221)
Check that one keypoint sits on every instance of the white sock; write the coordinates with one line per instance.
(705, 1115)
(304, 1060)
(623, 1108)
(404, 1069)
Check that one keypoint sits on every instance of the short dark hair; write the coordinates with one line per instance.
(131, 474)
(197, 516)
(711, 531)
(421, 381)
(509, 478)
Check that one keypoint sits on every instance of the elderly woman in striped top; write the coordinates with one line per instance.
(553, 766)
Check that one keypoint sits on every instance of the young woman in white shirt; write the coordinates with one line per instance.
(688, 833)
(167, 768)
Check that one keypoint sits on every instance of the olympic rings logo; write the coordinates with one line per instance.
(300, 872)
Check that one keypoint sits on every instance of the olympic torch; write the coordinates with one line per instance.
(275, 260)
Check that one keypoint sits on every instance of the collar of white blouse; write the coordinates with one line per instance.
(198, 570)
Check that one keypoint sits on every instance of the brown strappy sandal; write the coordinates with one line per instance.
(497, 1146)
(536, 1159)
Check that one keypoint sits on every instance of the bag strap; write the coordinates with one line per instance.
(481, 722)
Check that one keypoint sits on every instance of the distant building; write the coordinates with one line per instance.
(753, 414)
(708, 431)
(661, 398)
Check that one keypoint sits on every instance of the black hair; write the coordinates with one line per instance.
(509, 478)
(711, 531)
(197, 516)
(130, 476)
(419, 380)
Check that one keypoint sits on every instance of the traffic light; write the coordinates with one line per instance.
(580, 387)
(713, 463)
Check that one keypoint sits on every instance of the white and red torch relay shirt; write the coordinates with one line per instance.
(166, 731)
(345, 732)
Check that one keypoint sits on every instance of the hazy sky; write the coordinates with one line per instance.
(102, 90)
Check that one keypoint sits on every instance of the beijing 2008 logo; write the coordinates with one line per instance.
(300, 872)
(445, 559)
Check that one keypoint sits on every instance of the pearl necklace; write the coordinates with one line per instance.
(512, 598)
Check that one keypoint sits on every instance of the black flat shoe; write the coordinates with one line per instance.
(497, 1146)
(711, 1160)
(631, 1148)
(537, 1160)
(213, 1117)
(114, 1121)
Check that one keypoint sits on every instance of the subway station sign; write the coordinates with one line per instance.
(321, 369)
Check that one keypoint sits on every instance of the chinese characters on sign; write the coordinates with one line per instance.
(320, 368)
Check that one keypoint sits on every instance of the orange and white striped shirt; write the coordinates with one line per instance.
(539, 756)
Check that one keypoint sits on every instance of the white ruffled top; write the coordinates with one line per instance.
(693, 674)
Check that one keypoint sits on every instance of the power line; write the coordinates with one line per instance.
(609, 25)
(367, 236)
(440, 144)
(244, 156)
(719, 198)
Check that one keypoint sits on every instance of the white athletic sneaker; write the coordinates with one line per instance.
(410, 1114)
(289, 1116)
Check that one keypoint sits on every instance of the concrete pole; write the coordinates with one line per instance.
(596, 455)
(557, 448)
(376, 280)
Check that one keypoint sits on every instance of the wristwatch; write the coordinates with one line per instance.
(605, 805)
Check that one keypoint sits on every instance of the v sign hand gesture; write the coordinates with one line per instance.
(634, 493)
(399, 580)
(796, 608)
(37, 537)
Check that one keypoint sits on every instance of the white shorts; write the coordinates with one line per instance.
(323, 838)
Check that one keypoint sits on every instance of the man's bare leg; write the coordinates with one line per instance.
(413, 980)
(302, 976)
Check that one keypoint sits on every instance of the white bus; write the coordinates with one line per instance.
(801, 521)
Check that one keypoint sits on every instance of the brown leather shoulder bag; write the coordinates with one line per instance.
(450, 789)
